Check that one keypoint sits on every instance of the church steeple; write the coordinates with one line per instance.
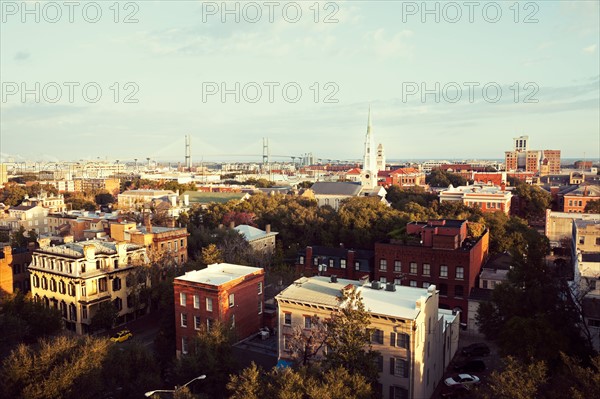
(369, 167)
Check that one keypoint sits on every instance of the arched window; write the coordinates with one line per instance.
(52, 285)
(46, 301)
(98, 264)
(72, 312)
(44, 283)
(36, 298)
(71, 289)
(61, 287)
(63, 309)
(36, 281)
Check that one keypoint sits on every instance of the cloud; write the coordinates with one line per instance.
(388, 46)
(590, 49)
(22, 56)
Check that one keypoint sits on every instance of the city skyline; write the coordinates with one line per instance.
(178, 56)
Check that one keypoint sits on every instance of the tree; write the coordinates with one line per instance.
(105, 316)
(23, 320)
(210, 353)
(104, 198)
(515, 381)
(56, 368)
(246, 385)
(305, 345)
(211, 254)
(592, 206)
(533, 200)
(21, 239)
(349, 339)
(12, 194)
(441, 178)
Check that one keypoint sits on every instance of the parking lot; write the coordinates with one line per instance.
(492, 361)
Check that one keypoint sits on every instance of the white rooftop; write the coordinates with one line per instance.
(252, 233)
(218, 274)
(401, 303)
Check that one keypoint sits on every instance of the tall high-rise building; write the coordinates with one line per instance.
(522, 158)
(380, 157)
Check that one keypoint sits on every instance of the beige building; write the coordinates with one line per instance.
(31, 217)
(488, 198)
(3, 174)
(559, 225)
(137, 198)
(416, 339)
(76, 277)
(259, 240)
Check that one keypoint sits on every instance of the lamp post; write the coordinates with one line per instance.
(150, 393)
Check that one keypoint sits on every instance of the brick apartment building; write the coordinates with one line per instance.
(225, 292)
(352, 264)
(14, 274)
(435, 252)
(488, 198)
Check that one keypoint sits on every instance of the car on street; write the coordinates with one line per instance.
(470, 366)
(462, 379)
(477, 349)
(122, 336)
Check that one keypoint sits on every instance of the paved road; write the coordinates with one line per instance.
(144, 329)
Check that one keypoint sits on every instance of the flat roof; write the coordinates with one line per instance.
(218, 274)
(401, 303)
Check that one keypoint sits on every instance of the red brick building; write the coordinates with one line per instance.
(352, 264)
(437, 252)
(225, 292)
(576, 200)
(14, 274)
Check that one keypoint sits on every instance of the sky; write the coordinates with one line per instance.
(444, 80)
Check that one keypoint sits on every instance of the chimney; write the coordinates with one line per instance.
(147, 223)
(308, 256)
(268, 229)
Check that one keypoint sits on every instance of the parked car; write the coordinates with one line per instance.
(478, 349)
(121, 336)
(462, 379)
(455, 392)
(469, 366)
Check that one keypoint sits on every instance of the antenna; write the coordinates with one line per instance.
(188, 152)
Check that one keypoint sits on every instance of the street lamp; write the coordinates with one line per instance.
(150, 393)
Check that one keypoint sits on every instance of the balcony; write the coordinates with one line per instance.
(93, 298)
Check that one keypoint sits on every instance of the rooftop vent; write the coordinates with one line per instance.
(390, 287)
(376, 285)
(333, 278)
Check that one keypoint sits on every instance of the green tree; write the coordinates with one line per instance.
(21, 239)
(349, 338)
(12, 194)
(247, 385)
(211, 254)
(56, 368)
(441, 178)
(104, 198)
(515, 381)
(210, 353)
(592, 206)
(105, 316)
(533, 200)
(23, 320)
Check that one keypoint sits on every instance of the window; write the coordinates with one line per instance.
(397, 281)
(209, 304)
(307, 322)
(397, 266)
(63, 309)
(413, 268)
(460, 272)
(61, 287)
(36, 281)
(426, 269)
(356, 265)
(377, 336)
(72, 312)
(485, 284)
(118, 304)
(459, 291)
(597, 240)
(444, 289)
(380, 363)
(231, 300)
(383, 264)
(181, 243)
(130, 301)
(71, 289)
(102, 286)
(260, 287)
(343, 263)
(197, 322)
(301, 260)
(316, 261)
(287, 319)
(398, 367)
(184, 347)
(413, 283)
(196, 301)
(399, 340)
(582, 240)
(426, 285)
(116, 284)
(443, 271)
(184, 320)
(52, 285)
(182, 298)
(84, 312)
(330, 262)
(260, 305)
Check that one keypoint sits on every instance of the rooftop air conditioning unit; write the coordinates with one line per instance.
(375, 285)
(333, 278)
(390, 287)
